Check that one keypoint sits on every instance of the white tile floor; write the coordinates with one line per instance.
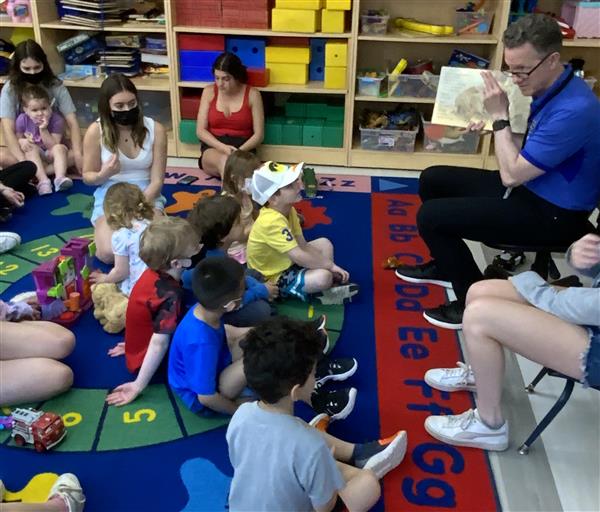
(562, 472)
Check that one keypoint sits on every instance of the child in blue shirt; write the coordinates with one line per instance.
(205, 369)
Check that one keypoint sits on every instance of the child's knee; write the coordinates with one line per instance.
(323, 279)
(59, 150)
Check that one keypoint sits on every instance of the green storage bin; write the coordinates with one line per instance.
(187, 131)
(335, 112)
(312, 132)
(273, 130)
(295, 108)
(316, 108)
(291, 133)
(333, 134)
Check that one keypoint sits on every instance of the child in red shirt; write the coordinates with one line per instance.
(155, 302)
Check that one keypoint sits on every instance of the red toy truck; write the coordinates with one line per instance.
(42, 429)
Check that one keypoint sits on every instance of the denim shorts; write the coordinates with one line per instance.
(291, 283)
(590, 360)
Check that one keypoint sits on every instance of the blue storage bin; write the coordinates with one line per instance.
(316, 68)
(250, 50)
(197, 58)
(196, 73)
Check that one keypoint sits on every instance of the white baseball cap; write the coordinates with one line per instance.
(270, 177)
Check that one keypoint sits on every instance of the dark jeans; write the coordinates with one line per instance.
(18, 176)
(460, 202)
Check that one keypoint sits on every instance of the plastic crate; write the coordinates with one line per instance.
(415, 86)
(371, 86)
(591, 81)
(438, 138)
(584, 17)
(374, 23)
(478, 22)
(379, 139)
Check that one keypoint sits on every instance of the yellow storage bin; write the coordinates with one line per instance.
(299, 4)
(335, 77)
(288, 73)
(287, 55)
(295, 20)
(338, 5)
(336, 54)
(332, 21)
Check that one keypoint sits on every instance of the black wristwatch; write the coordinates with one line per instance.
(500, 124)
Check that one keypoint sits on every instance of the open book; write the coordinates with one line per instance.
(459, 99)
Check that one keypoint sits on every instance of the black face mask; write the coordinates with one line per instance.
(33, 78)
(126, 117)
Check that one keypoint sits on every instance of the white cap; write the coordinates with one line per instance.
(270, 177)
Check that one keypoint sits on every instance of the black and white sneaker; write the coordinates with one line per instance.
(447, 316)
(335, 369)
(338, 294)
(425, 273)
(337, 403)
(319, 324)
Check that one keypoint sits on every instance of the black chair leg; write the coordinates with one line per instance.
(541, 264)
(531, 387)
(556, 408)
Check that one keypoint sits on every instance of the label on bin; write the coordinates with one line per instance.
(387, 141)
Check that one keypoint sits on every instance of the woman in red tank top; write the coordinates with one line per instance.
(230, 116)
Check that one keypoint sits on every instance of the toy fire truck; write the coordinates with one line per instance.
(43, 430)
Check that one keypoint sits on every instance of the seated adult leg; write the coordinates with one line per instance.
(450, 181)
(18, 176)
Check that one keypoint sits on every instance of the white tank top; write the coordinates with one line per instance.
(133, 169)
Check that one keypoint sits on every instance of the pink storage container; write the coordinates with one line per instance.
(584, 17)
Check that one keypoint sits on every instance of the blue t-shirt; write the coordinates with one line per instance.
(564, 142)
(197, 356)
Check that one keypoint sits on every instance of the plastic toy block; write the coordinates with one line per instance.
(187, 131)
(198, 58)
(251, 51)
(295, 108)
(312, 132)
(252, 18)
(335, 112)
(335, 78)
(333, 134)
(336, 54)
(309, 180)
(258, 77)
(289, 73)
(288, 41)
(333, 21)
(273, 130)
(241, 5)
(316, 108)
(291, 132)
(316, 68)
(338, 5)
(201, 42)
(287, 55)
(299, 4)
(196, 74)
(190, 103)
(295, 20)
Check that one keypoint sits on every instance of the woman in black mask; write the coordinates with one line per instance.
(29, 65)
(122, 145)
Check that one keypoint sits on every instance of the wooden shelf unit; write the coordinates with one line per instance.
(375, 51)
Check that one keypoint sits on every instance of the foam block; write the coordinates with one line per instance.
(291, 134)
(198, 58)
(190, 103)
(333, 134)
(336, 54)
(289, 73)
(312, 132)
(333, 21)
(295, 20)
(338, 5)
(287, 55)
(187, 131)
(258, 77)
(335, 77)
(251, 51)
(316, 68)
(201, 42)
(273, 130)
(196, 74)
(299, 4)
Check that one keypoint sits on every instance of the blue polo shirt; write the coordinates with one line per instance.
(564, 142)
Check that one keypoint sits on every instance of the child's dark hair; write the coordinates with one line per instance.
(217, 281)
(29, 49)
(278, 354)
(34, 92)
(213, 217)
(231, 63)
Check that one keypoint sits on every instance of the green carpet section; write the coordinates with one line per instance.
(12, 268)
(196, 424)
(77, 203)
(4, 286)
(295, 308)
(82, 233)
(80, 410)
(149, 420)
(40, 250)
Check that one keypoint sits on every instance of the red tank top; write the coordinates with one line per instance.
(238, 124)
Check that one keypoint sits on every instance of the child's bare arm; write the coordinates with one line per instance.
(218, 403)
(48, 139)
(119, 272)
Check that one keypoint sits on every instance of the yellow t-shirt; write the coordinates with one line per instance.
(271, 238)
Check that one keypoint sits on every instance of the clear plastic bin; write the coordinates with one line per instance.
(438, 138)
(374, 23)
(371, 86)
(591, 81)
(380, 139)
(416, 86)
(478, 22)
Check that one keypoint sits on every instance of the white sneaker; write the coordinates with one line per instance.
(338, 294)
(8, 241)
(467, 429)
(451, 379)
(67, 486)
(384, 461)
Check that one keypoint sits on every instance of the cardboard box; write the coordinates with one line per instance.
(336, 54)
(201, 42)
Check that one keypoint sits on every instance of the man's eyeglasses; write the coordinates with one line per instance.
(525, 74)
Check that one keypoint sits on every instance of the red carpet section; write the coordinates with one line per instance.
(434, 476)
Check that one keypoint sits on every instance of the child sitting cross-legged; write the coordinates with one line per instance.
(155, 304)
(279, 461)
(217, 220)
(276, 245)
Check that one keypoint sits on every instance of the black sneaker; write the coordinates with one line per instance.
(335, 369)
(319, 324)
(338, 294)
(425, 273)
(337, 403)
(509, 260)
(448, 316)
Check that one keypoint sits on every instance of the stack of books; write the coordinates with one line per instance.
(155, 61)
(92, 13)
(118, 58)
